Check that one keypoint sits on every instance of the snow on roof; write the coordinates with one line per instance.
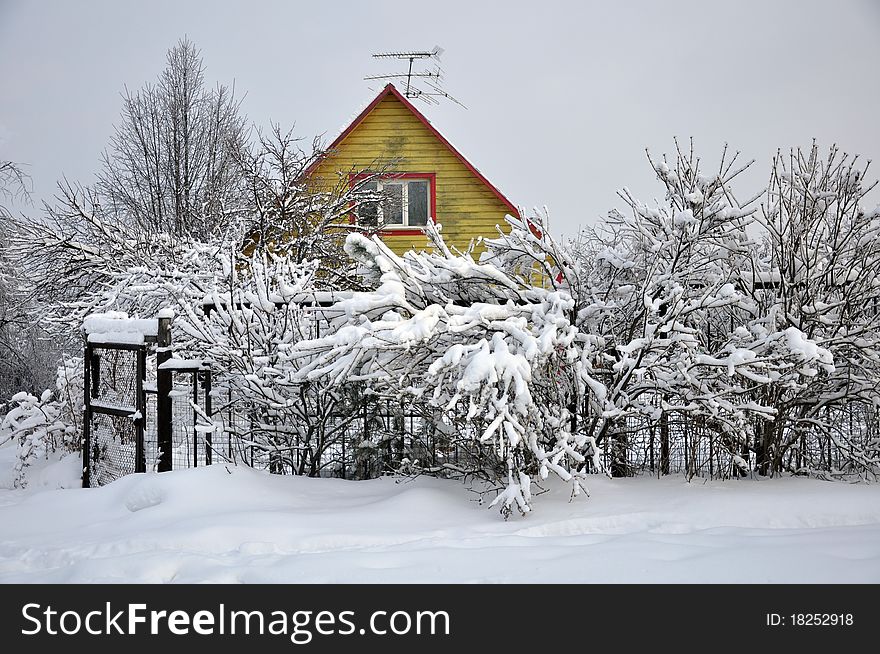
(763, 275)
(355, 116)
(109, 404)
(184, 364)
(125, 338)
(117, 327)
(118, 321)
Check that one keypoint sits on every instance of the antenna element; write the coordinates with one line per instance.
(425, 84)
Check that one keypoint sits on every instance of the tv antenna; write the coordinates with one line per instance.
(421, 84)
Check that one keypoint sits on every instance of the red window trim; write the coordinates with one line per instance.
(432, 200)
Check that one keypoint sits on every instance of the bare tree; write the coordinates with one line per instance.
(297, 219)
(14, 183)
(172, 165)
(25, 361)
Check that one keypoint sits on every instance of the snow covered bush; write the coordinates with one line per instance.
(39, 427)
(253, 266)
(248, 328)
(740, 335)
(817, 282)
(494, 355)
(684, 339)
(27, 356)
(84, 257)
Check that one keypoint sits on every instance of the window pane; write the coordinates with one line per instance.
(392, 204)
(368, 212)
(417, 203)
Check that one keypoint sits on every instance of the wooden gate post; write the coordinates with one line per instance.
(87, 400)
(140, 459)
(163, 395)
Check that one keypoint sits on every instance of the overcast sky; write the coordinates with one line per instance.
(562, 97)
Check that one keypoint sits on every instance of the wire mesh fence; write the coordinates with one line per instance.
(390, 438)
(115, 377)
(673, 443)
(151, 444)
(839, 441)
(198, 437)
(113, 452)
(368, 436)
(368, 441)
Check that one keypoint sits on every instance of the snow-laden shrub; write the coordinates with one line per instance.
(491, 353)
(249, 332)
(691, 335)
(69, 381)
(39, 428)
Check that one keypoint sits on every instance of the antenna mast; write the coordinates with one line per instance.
(428, 90)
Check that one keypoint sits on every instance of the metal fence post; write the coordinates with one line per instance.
(208, 412)
(195, 399)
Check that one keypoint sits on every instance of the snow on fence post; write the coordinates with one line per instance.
(163, 392)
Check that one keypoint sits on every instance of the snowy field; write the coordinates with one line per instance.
(222, 524)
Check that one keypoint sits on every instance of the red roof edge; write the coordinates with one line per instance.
(391, 90)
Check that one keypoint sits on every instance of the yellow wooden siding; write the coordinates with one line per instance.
(465, 207)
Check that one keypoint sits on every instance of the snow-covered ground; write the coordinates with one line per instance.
(227, 524)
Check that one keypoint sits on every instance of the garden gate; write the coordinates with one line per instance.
(113, 428)
(143, 409)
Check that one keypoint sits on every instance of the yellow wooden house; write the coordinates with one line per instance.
(423, 177)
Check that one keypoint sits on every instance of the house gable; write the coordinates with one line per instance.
(392, 134)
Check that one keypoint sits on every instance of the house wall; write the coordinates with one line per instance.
(465, 206)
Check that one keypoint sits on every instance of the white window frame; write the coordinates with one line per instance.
(404, 182)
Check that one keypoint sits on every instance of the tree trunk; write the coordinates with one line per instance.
(619, 464)
(763, 446)
(664, 443)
